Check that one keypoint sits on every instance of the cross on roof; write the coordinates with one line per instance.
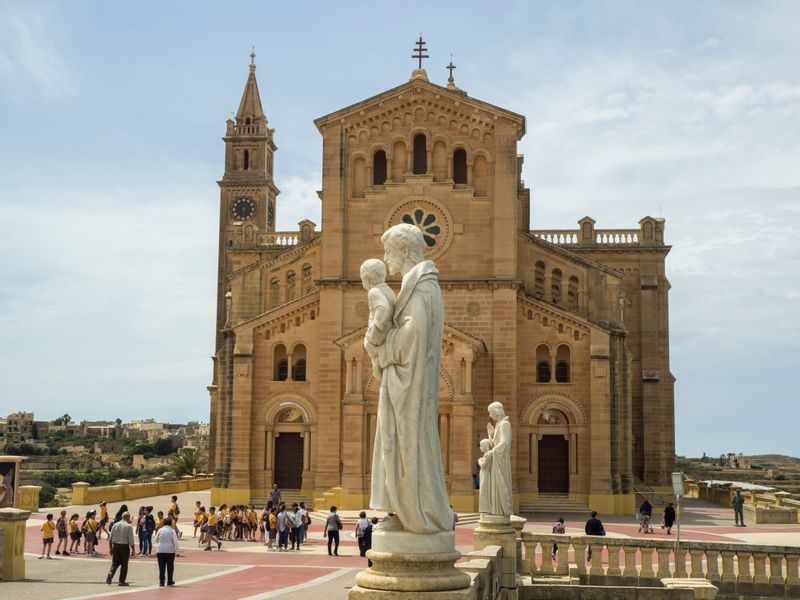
(420, 50)
(253, 56)
(450, 68)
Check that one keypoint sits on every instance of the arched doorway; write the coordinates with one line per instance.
(290, 437)
(553, 452)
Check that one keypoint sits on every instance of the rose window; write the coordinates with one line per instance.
(428, 224)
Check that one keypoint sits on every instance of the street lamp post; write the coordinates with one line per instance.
(677, 488)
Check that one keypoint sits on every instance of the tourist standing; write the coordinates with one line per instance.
(101, 524)
(361, 527)
(594, 526)
(90, 534)
(273, 528)
(149, 526)
(167, 548)
(140, 529)
(669, 517)
(333, 524)
(283, 529)
(368, 537)
(738, 508)
(174, 511)
(74, 534)
(301, 527)
(122, 545)
(61, 531)
(48, 531)
(275, 495)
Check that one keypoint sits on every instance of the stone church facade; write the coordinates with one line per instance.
(568, 328)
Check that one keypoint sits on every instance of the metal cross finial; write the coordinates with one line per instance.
(419, 50)
(253, 56)
(450, 68)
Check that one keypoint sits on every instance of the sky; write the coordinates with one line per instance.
(111, 116)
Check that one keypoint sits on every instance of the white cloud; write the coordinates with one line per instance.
(707, 44)
(29, 55)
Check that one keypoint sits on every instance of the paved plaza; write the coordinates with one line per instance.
(246, 570)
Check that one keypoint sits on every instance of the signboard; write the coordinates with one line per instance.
(677, 484)
(8, 482)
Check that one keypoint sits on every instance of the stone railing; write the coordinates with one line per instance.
(650, 233)
(741, 569)
(759, 506)
(83, 494)
(483, 567)
(279, 238)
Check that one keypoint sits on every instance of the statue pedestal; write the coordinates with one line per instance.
(412, 566)
(493, 530)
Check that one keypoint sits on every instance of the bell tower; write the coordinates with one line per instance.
(247, 188)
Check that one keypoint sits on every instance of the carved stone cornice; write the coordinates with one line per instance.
(286, 311)
(288, 255)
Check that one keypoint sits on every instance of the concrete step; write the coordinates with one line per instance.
(287, 496)
(553, 504)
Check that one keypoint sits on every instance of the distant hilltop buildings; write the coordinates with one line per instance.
(21, 427)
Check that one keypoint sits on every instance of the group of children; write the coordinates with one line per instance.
(275, 526)
(90, 530)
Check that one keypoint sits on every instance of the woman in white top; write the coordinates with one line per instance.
(167, 548)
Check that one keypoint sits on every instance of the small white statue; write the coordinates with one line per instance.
(496, 488)
(380, 299)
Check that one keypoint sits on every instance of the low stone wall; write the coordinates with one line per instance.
(83, 494)
(759, 507)
(483, 567)
(740, 569)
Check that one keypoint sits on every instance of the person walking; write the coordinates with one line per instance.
(368, 537)
(594, 526)
(101, 524)
(738, 508)
(174, 511)
(669, 518)
(333, 524)
(122, 545)
(558, 529)
(645, 515)
(361, 527)
(167, 548)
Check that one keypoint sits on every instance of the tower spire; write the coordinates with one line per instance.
(250, 105)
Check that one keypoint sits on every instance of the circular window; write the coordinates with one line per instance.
(431, 219)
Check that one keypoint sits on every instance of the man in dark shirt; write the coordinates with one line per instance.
(594, 526)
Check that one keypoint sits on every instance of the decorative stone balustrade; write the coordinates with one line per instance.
(650, 233)
(83, 494)
(742, 569)
(759, 506)
(279, 238)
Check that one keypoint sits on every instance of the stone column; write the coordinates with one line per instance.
(12, 522)
(28, 497)
(495, 530)
(79, 489)
(125, 484)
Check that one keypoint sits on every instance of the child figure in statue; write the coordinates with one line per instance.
(381, 301)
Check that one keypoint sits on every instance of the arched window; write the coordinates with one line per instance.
(306, 283)
(299, 363)
(572, 292)
(379, 168)
(460, 166)
(246, 159)
(420, 154)
(280, 363)
(538, 279)
(543, 364)
(562, 364)
(555, 286)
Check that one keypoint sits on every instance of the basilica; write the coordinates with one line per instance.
(569, 328)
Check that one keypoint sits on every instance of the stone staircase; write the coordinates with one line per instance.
(557, 504)
(657, 499)
(287, 496)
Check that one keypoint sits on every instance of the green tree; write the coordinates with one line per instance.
(62, 420)
(163, 447)
(187, 461)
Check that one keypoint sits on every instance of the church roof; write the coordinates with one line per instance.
(419, 83)
(250, 106)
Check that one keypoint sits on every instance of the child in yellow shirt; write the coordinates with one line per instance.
(48, 532)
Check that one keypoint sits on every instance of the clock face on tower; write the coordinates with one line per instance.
(243, 209)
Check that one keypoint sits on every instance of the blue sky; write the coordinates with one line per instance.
(111, 115)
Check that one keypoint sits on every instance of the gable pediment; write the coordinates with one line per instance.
(454, 341)
(419, 92)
